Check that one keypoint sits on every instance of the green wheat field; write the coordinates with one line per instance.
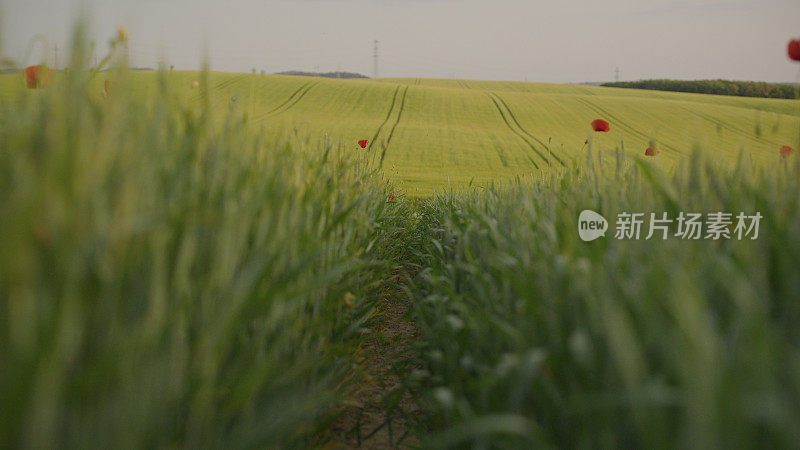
(440, 134)
(199, 259)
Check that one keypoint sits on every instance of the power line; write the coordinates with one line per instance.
(375, 60)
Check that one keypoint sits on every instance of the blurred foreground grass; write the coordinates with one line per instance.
(531, 337)
(171, 276)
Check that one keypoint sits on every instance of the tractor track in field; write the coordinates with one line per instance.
(293, 99)
(514, 118)
(399, 115)
(515, 131)
(228, 82)
(288, 99)
(632, 130)
(388, 115)
(734, 130)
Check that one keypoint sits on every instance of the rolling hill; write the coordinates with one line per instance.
(440, 133)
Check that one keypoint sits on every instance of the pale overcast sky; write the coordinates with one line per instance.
(552, 41)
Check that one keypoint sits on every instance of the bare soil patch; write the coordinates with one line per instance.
(374, 417)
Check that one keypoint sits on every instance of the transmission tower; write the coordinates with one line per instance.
(616, 74)
(375, 61)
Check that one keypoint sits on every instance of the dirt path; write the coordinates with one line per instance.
(364, 422)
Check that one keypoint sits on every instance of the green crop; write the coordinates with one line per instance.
(171, 274)
(200, 259)
(532, 337)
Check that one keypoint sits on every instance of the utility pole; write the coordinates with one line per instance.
(616, 74)
(375, 61)
(55, 61)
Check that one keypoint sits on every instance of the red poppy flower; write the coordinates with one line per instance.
(391, 196)
(363, 143)
(600, 125)
(651, 151)
(786, 151)
(37, 76)
(794, 49)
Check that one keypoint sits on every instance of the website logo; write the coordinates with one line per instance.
(591, 225)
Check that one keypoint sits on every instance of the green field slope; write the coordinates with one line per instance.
(440, 133)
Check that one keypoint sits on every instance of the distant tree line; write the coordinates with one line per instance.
(718, 87)
(346, 75)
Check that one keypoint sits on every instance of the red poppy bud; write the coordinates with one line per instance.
(793, 50)
(37, 76)
(363, 143)
(651, 151)
(600, 125)
(786, 151)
